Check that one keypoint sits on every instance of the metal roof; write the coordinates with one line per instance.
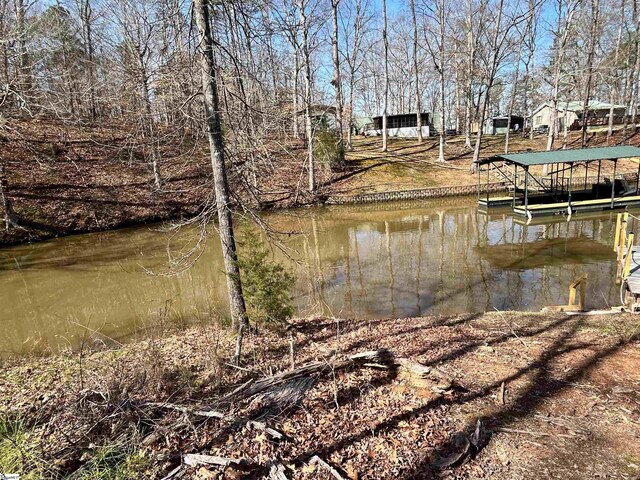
(565, 156)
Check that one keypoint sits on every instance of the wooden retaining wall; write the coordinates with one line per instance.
(418, 194)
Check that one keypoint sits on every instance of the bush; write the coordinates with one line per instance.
(327, 151)
(266, 284)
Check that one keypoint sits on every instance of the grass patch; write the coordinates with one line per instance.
(114, 462)
(19, 450)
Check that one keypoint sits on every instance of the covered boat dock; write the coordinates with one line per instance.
(573, 182)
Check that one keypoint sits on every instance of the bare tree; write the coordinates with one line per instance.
(337, 80)
(221, 187)
(615, 81)
(562, 31)
(385, 42)
(416, 71)
(436, 44)
(306, 58)
(593, 40)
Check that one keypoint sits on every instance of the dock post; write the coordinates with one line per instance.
(526, 189)
(638, 180)
(613, 183)
(617, 237)
(479, 184)
(627, 260)
(570, 185)
(515, 184)
(488, 180)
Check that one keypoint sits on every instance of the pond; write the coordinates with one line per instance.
(371, 261)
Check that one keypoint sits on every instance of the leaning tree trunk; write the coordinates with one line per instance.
(216, 145)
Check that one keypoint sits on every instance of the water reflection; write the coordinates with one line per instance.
(361, 262)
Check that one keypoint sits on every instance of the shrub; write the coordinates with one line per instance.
(266, 284)
(327, 151)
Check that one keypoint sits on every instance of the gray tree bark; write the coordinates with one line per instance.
(385, 42)
(306, 57)
(216, 144)
(416, 72)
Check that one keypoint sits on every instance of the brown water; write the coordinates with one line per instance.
(389, 260)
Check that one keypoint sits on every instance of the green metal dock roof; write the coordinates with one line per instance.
(528, 159)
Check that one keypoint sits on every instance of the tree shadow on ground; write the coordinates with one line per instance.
(544, 385)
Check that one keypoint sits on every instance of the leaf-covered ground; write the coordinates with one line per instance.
(556, 397)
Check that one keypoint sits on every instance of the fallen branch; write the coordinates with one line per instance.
(197, 460)
(535, 434)
(273, 433)
(381, 356)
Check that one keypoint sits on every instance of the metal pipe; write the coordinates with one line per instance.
(488, 171)
(515, 183)
(613, 182)
(526, 189)
(570, 184)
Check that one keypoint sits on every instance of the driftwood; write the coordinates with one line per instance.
(422, 376)
(250, 389)
(316, 460)
(419, 375)
(273, 433)
(283, 396)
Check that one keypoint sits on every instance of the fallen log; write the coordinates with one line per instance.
(382, 358)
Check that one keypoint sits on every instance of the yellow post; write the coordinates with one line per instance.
(582, 283)
(617, 240)
(627, 261)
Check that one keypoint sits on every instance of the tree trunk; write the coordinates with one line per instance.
(443, 125)
(469, 80)
(512, 99)
(337, 81)
(491, 79)
(385, 42)
(24, 71)
(6, 205)
(615, 87)
(296, 70)
(595, 12)
(85, 15)
(221, 187)
(307, 94)
(416, 72)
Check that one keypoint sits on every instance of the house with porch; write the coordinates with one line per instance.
(569, 113)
